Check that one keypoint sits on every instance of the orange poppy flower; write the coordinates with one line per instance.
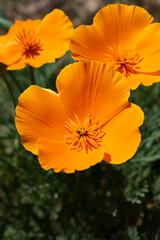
(125, 38)
(90, 119)
(36, 42)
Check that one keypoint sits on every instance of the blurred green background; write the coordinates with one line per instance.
(105, 202)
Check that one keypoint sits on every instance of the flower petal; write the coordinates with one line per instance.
(39, 115)
(87, 44)
(147, 44)
(120, 24)
(55, 32)
(56, 155)
(10, 52)
(92, 88)
(122, 135)
(146, 79)
(19, 26)
(16, 65)
(134, 81)
(39, 60)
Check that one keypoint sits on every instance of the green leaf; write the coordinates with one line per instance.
(5, 23)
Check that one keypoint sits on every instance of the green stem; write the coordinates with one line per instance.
(15, 80)
(32, 75)
(10, 90)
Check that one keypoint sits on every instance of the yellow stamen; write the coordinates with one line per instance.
(86, 135)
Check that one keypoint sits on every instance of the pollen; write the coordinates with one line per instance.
(126, 62)
(30, 43)
(87, 135)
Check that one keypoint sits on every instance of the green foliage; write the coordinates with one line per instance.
(6, 24)
(133, 233)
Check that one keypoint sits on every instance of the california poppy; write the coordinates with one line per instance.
(125, 38)
(36, 42)
(89, 120)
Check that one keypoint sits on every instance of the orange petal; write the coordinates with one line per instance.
(88, 44)
(83, 160)
(39, 115)
(40, 60)
(18, 26)
(145, 79)
(122, 135)
(134, 81)
(55, 154)
(55, 32)
(147, 44)
(20, 64)
(120, 24)
(92, 88)
(10, 53)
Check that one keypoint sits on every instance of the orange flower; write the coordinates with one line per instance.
(125, 38)
(36, 42)
(90, 119)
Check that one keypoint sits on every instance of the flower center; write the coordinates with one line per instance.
(86, 135)
(125, 62)
(31, 45)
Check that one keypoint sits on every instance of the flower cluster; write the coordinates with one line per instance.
(90, 119)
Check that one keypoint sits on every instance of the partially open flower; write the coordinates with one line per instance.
(89, 120)
(125, 38)
(36, 42)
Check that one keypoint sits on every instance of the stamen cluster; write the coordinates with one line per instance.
(125, 62)
(31, 45)
(87, 135)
